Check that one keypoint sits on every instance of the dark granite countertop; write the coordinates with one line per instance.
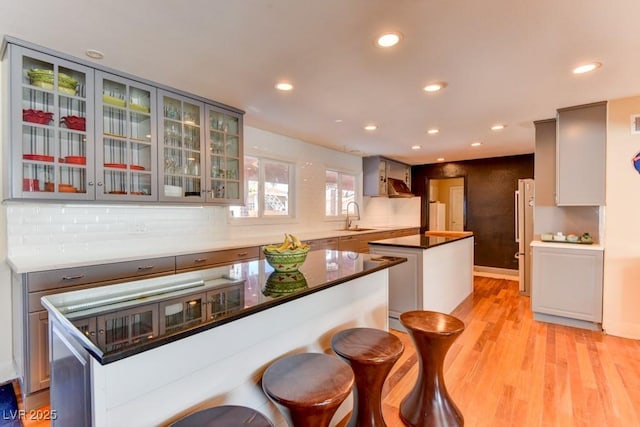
(253, 286)
(419, 241)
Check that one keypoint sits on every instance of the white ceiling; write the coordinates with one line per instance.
(506, 61)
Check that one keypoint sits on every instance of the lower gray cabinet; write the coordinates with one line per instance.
(70, 379)
(225, 300)
(179, 313)
(567, 284)
(125, 327)
(318, 244)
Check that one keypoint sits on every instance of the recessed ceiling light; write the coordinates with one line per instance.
(94, 54)
(370, 127)
(284, 86)
(388, 39)
(440, 159)
(476, 144)
(585, 68)
(416, 147)
(435, 86)
(338, 120)
(433, 131)
(498, 126)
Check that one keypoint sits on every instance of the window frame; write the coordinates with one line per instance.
(356, 192)
(291, 195)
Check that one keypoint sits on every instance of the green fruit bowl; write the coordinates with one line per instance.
(284, 283)
(287, 260)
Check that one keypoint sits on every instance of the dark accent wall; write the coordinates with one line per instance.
(489, 202)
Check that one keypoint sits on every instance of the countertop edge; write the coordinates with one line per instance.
(396, 242)
(104, 359)
(567, 245)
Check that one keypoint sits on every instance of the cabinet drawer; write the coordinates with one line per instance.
(33, 298)
(52, 279)
(206, 259)
(329, 243)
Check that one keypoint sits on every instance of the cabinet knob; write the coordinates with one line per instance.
(90, 183)
(199, 260)
(242, 253)
(99, 183)
(101, 331)
(145, 267)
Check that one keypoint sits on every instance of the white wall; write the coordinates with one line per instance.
(621, 315)
(77, 231)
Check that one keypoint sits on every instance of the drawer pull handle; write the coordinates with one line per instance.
(199, 260)
(242, 253)
(67, 278)
(145, 267)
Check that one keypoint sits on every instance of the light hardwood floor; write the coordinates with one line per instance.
(508, 370)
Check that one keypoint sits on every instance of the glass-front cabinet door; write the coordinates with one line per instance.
(180, 160)
(52, 127)
(224, 152)
(121, 329)
(181, 313)
(126, 154)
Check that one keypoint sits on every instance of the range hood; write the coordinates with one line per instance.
(397, 188)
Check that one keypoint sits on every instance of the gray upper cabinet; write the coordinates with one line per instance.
(77, 131)
(126, 139)
(50, 130)
(580, 155)
(180, 162)
(377, 170)
(224, 150)
(545, 162)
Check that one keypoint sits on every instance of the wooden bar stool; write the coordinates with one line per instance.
(308, 388)
(224, 416)
(429, 403)
(371, 354)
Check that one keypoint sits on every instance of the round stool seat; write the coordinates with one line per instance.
(224, 416)
(371, 354)
(429, 403)
(308, 388)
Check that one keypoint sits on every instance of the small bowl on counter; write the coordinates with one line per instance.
(286, 261)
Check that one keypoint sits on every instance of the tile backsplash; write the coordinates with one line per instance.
(34, 229)
(44, 229)
(568, 219)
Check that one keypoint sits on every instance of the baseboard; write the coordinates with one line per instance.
(495, 272)
(565, 321)
(7, 371)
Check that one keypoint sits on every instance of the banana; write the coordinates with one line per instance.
(296, 242)
(290, 242)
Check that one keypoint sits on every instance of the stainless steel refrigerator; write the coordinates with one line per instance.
(524, 231)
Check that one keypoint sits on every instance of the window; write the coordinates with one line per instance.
(340, 189)
(268, 189)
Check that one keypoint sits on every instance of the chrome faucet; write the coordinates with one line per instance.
(356, 212)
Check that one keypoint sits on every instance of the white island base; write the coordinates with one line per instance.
(436, 277)
(224, 365)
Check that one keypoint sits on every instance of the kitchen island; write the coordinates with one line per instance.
(437, 276)
(150, 351)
